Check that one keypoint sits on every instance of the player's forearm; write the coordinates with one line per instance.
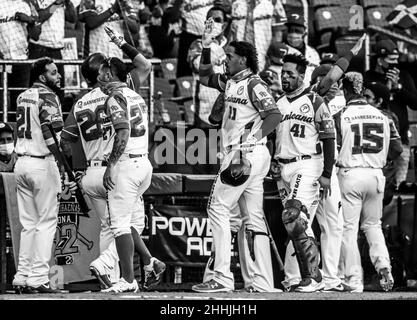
(395, 149)
(335, 74)
(95, 21)
(143, 66)
(119, 146)
(70, 13)
(206, 69)
(328, 154)
(269, 124)
(45, 14)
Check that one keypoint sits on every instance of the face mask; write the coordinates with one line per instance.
(295, 39)
(217, 29)
(6, 149)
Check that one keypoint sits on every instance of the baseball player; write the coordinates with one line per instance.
(366, 140)
(37, 177)
(250, 114)
(305, 154)
(97, 146)
(128, 173)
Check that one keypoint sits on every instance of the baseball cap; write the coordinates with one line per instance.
(329, 58)
(5, 127)
(276, 52)
(320, 71)
(295, 19)
(386, 47)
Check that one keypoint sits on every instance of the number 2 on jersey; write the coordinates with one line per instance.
(23, 123)
(376, 142)
(136, 118)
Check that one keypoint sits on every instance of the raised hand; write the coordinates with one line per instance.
(115, 37)
(358, 46)
(208, 34)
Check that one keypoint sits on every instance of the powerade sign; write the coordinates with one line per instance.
(180, 234)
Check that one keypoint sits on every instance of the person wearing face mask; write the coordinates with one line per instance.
(403, 93)
(8, 157)
(205, 97)
(296, 34)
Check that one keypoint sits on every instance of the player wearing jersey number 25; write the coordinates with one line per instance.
(38, 177)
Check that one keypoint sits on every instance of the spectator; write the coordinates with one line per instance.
(8, 157)
(296, 38)
(164, 30)
(95, 14)
(378, 95)
(205, 97)
(253, 21)
(52, 15)
(17, 24)
(193, 13)
(329, 58)
(403, 93)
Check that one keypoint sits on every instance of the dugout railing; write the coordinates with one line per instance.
(6, 68)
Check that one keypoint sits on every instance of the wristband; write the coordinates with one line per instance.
(343, 62)
(130, 51)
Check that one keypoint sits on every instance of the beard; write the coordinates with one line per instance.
(51, 84)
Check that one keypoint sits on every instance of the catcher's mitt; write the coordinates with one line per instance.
(236, 174)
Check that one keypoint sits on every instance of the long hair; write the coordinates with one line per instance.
(245, 49)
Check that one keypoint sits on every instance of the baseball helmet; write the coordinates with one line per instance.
(236, 174)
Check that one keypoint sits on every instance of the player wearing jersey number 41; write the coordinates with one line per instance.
(366, 140)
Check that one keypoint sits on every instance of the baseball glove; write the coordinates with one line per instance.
(236, 174)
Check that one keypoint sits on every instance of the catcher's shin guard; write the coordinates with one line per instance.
(295, 220)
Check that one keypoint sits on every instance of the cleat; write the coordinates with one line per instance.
(309, 285)
(98, 270)
(153, 276)
(210, 286)
(341, 287)
(123, 286)
(386, 280)
(23, 290)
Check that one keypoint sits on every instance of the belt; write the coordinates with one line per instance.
(286, 161)
(137, 155)
(32, 156)
(97, 163)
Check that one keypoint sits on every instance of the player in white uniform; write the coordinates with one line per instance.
(366, 140)
(37, 177)
(250, 114)
(88, 120)
(305, 154)
(129, 171)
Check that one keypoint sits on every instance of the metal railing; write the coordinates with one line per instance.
(6, 67)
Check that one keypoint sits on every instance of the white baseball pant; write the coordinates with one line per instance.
(330, 218)
(92, 184)
(38, 188)
(299, 180)
(222, 201)
(362, 193)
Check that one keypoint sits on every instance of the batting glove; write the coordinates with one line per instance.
(115, 37)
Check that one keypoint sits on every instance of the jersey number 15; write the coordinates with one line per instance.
(375, 142)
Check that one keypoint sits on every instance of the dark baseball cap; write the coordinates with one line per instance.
(386, 47)
(380, 91)
(329, 58)
(5, 127)
(276, 52)
(295, 19)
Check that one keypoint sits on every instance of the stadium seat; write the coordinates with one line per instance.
(380, 3)
(331, 18)
(163, 85)
(185, 86)
(169, 68)
(376, 16)
(331, 3)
